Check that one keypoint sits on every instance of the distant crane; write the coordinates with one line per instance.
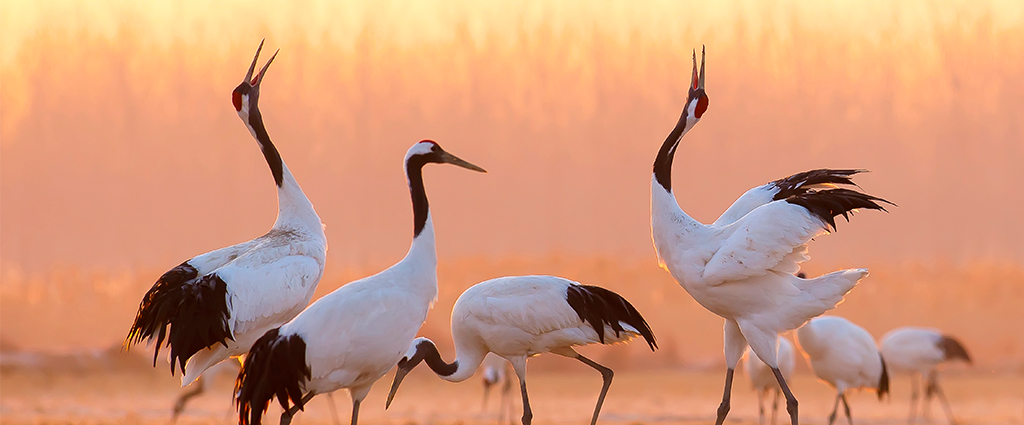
(518, 317)
(920, 351)
(762, 379)
(740, 267)
(843, 355)
(217, 304)
(496, 374)
(229, 367)
(354, 335)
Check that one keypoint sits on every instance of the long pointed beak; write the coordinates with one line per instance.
(248, 75)
(454, 160)
(263, 71)
(399, 376)
(255, 81)
(703, 51)
(694, 80)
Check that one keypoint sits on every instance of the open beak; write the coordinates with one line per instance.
(703, 51)
(399, 376)
(255, 81)
(448, 158)
(697, 81)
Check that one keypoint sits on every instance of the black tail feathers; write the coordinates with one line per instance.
(275, 367)
(801, 183)
(194, 307)
(600, 307)
(883, 382)
(953, 349)
(829, 203)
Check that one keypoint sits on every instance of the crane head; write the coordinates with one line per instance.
(245, 97)
(697, 101)
(428, 151)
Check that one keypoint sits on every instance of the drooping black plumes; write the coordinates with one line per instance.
(829, 203)
(195, 308)
(600, 307)
(952, 349)
(801, 183)
(883, 381)
(275, 367)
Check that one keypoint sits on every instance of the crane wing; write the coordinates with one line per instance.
(771, 237)
(796, 184)
(746, 203)
(269, 294)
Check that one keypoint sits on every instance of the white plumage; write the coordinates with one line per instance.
(843, 355)
(523, 316)
(762, 379)
(740, 267)
(919, 352)
(217, 304)
(354, 335)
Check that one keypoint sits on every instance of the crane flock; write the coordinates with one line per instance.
(251, 301)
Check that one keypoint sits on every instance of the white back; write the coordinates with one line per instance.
(912, 349)
(841, 353)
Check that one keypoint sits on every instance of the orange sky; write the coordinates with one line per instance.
(119, 147)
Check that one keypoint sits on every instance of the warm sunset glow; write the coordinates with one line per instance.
(121, 155)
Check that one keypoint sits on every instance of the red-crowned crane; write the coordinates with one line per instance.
(843, 355)
(740, 267)
(351, 337)
(920, 352)
(517, 317)
(217, 304)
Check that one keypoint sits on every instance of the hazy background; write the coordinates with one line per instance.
(121, 155)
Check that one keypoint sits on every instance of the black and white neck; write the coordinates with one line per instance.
(696, 104)
(467, 360)
(423, 243)
(294, 208)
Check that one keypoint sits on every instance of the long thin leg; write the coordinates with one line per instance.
(286, 417)
(192, 391)
(487, 390)
(506, 398)
(334, 409)
(760, 405)
(942, 397)
(926, 409)
(519, 365)
(775, 404)
(791, 403)
(723, 408)
(606, 375)
(355, 411)
(835, 408)
(846, 408)
(527, 413)
(913, 398)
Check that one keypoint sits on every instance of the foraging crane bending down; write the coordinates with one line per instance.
(920, 351)
(740, 266)
(518, 317)
(217, 304)
(843, 355)
(762, 379)
(354, 335)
